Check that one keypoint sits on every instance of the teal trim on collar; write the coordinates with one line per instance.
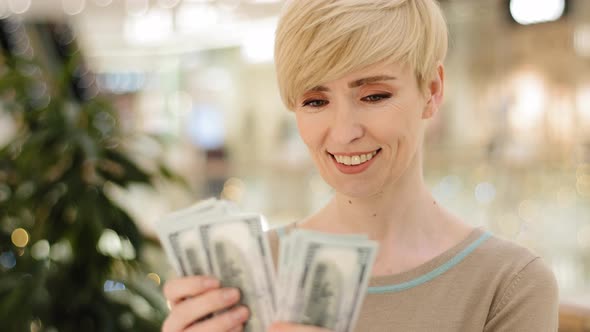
(432, 274)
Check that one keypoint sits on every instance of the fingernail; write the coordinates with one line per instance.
(230, 294)
(240, 314)
(209, 283)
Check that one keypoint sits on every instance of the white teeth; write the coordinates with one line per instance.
(355, 160)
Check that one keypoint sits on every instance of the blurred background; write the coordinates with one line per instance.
(116, 112)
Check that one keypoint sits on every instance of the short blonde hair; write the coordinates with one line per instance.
(318, 41)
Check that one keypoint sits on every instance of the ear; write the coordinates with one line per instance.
(435, 90)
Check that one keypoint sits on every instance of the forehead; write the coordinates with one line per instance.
(374, 73)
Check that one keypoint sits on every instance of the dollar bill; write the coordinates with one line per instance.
(326, 280)
(211, 238)
(322, 278)
(238, 253)
(177, 228)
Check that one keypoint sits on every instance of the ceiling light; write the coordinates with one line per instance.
(73, 7)
(19, 6)
(151, 28)
(534, 11)
(103, 3)
(137, 7)
(168, 3)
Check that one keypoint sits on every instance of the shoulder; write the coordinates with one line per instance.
(505, 257)
(511, 260)
(530, 302)
(524, 285)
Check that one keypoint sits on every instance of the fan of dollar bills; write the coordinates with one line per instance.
(322, 278)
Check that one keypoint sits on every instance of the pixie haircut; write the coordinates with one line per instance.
(318, 41)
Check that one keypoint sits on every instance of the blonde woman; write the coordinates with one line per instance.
(362, 78)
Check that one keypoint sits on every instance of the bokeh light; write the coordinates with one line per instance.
(40, 250)
(19, 6)
(485, 192)
(449, 187)
(109, 243)
(20, 237)
(154, 277)
(233, 190)
(535, 11)
(113, 286)
(73, 7)
(61, 251)
(36, 325)
(7, 260)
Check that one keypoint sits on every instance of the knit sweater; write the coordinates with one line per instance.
(484, 283)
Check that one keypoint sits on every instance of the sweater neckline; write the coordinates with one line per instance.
(431, 268)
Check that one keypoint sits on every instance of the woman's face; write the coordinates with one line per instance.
(364, 129)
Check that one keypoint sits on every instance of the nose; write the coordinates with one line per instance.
(346, 127)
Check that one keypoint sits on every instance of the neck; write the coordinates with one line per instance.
(403, 217)
(398, 210)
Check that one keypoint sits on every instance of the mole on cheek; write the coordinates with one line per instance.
(374, 214)
(349, 202)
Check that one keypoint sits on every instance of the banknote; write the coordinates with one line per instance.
(179, 225)
(212, 238)
(320, 279)
(326, 279)
(237, 252)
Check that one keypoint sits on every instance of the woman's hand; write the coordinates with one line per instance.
(290, 327)
(193, 299)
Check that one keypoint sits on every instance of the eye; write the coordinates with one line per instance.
(377, 97)
(315, 103)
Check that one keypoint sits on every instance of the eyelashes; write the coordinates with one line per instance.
(315, 103)
(372, 99)
(376, 97)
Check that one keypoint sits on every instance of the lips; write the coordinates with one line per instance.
(355, 162)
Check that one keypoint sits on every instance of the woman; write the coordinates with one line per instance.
(363, 77)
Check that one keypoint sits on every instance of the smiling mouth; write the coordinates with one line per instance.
(354, 160)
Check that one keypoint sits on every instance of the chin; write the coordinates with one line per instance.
(357, 190)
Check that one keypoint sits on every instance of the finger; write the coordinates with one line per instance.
(195, 308)
(178, 289)
(230, 320)
(290, 327)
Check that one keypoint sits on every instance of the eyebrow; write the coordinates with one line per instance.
(359, 82)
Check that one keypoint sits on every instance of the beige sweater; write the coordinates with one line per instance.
(483, 283)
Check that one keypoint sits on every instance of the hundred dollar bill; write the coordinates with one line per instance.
(176, 233)
(212, 239)
(326, 280)
(237, 252)
(288, 247)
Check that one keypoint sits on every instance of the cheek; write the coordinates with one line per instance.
(386, 128)
(309, 130)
